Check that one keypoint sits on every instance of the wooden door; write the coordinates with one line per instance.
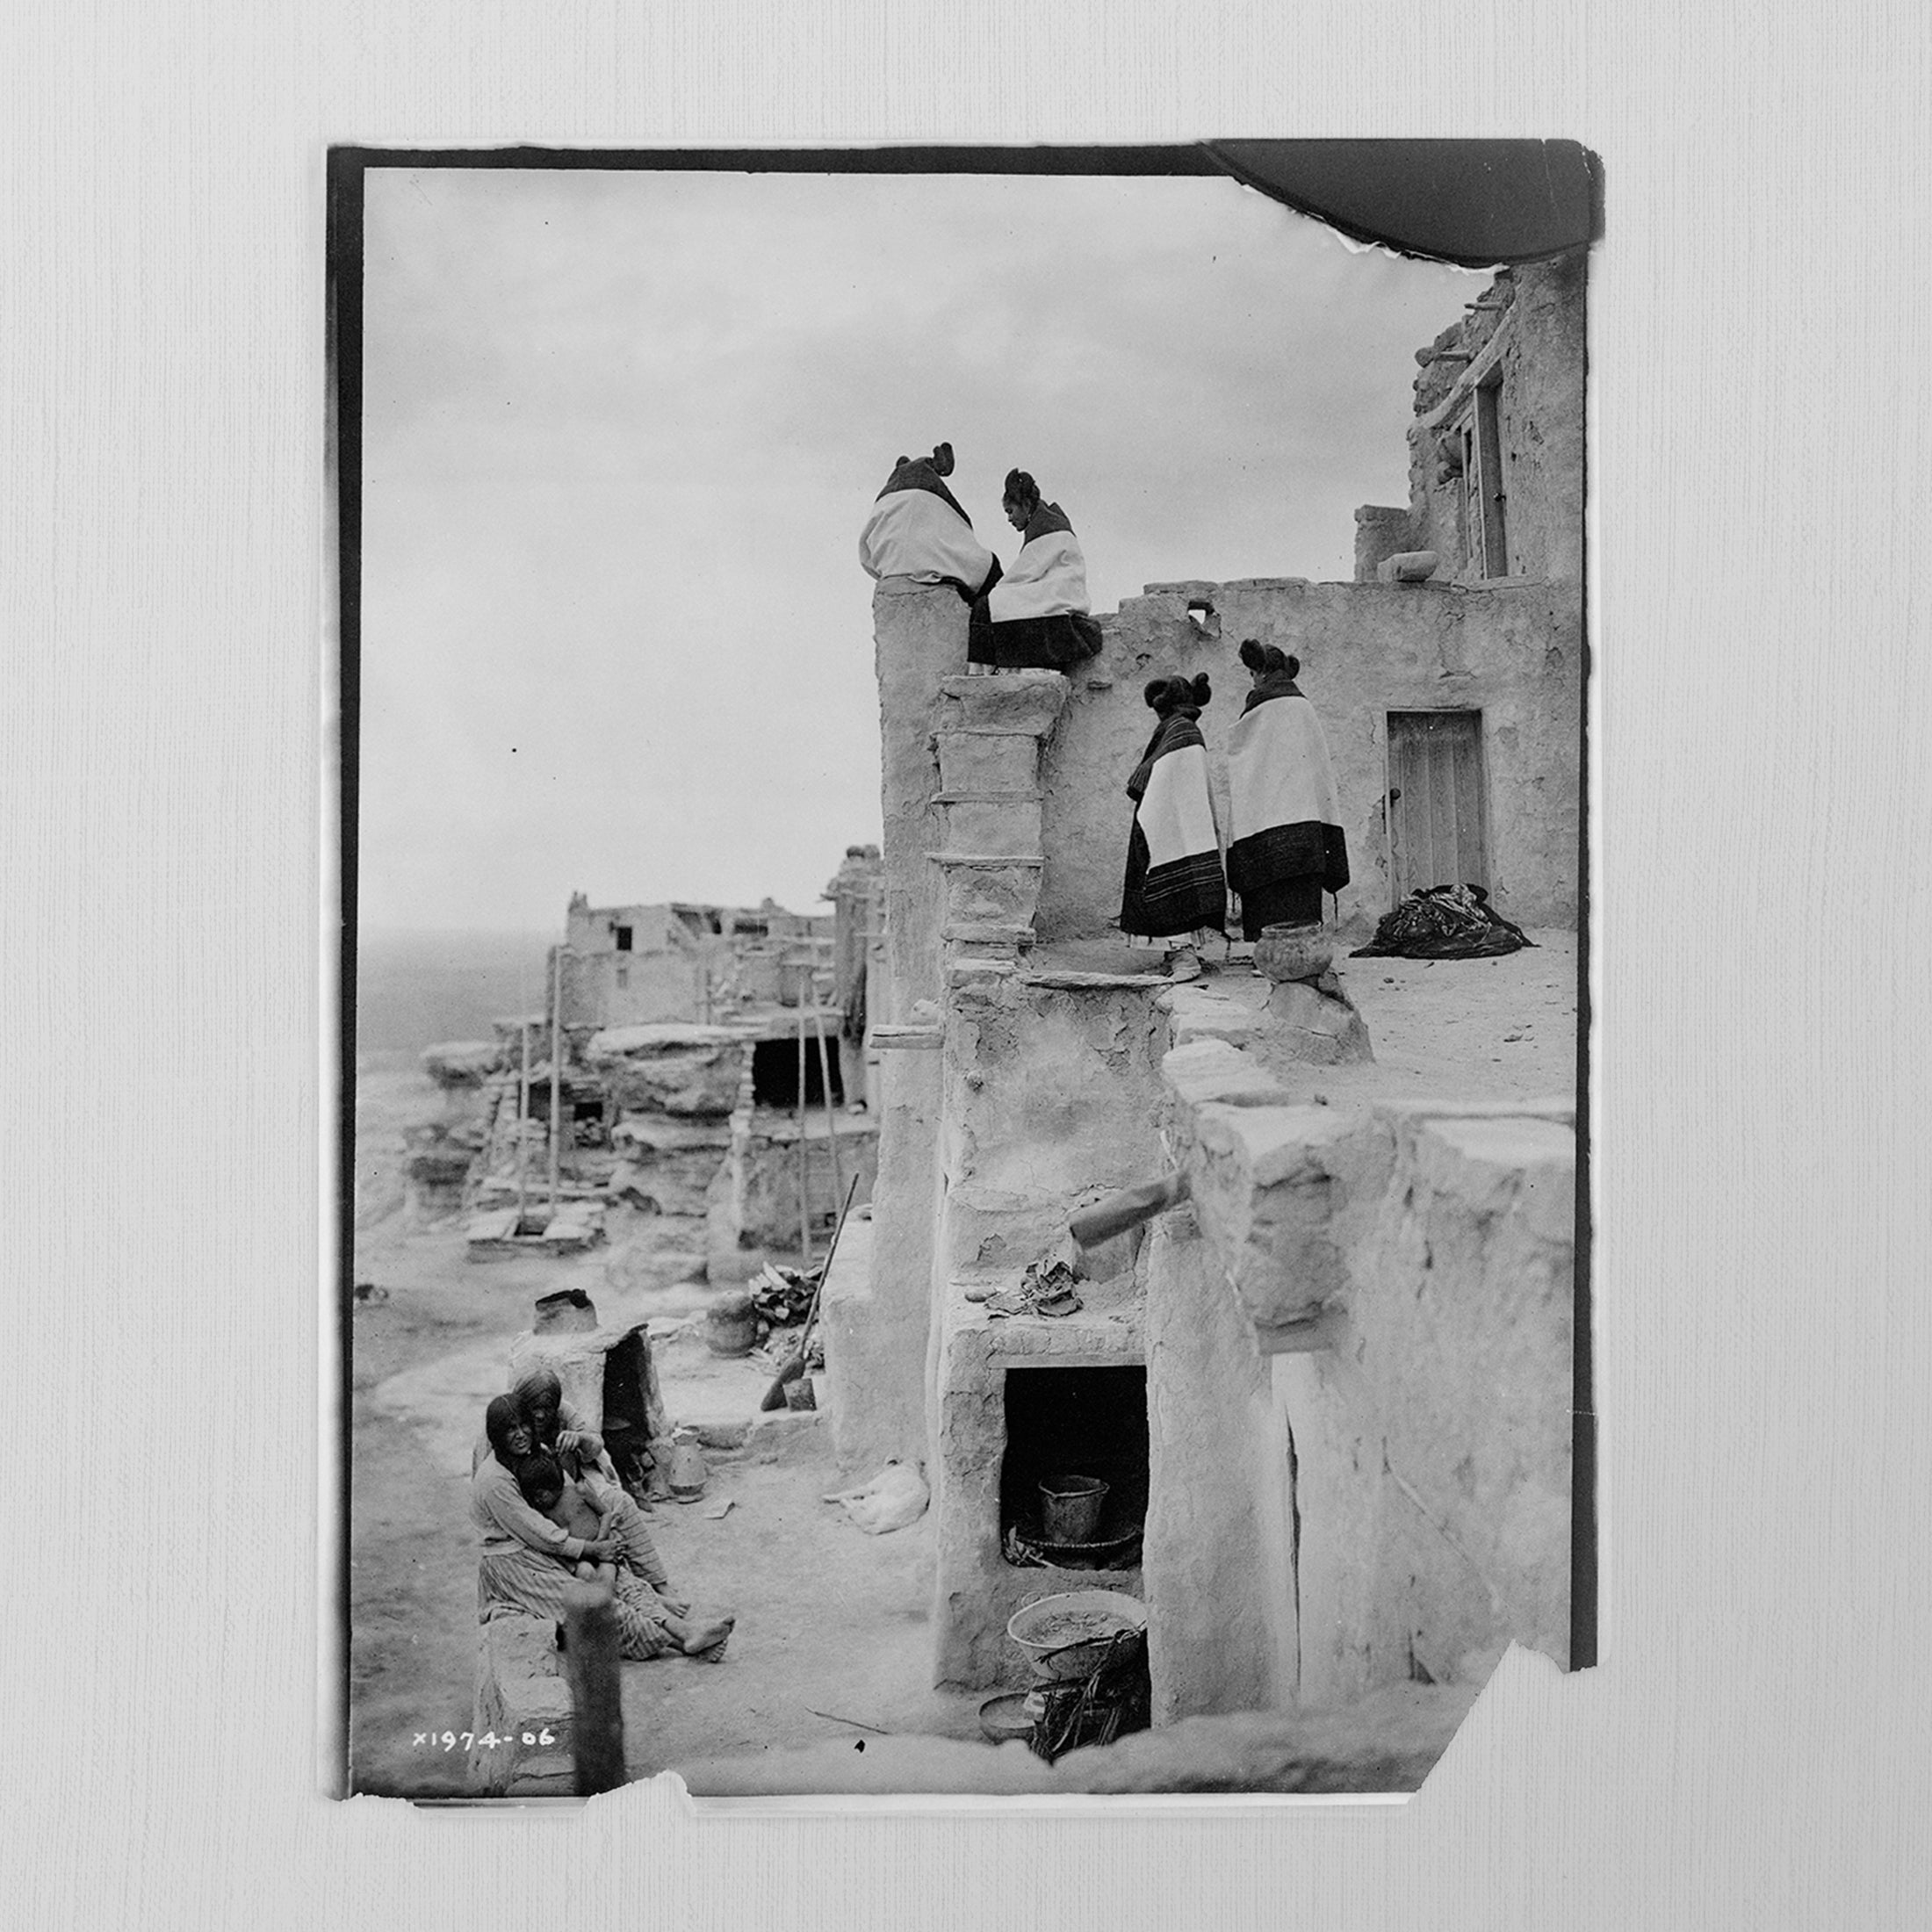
(1436, 834)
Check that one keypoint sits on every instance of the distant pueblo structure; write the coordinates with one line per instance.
(695, 1059)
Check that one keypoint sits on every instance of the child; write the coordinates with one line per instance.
(572, 1506)
(584, 1512)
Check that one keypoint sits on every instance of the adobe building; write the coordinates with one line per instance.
(705, 1064)
(1331, 1386)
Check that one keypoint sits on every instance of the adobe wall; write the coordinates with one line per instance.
(1376, 1343)
(881, 1340)
(1542, 353)
(1513, 651)
(1052, 1087)
(1220, 1534)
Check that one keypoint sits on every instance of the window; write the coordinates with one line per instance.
(1483, 496)
(623, 939)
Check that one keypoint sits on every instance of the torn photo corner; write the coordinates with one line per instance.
(957, 1183)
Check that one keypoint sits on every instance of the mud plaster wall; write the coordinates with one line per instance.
(919, 637)
(1217, 1553)
(1431, 1459)
(1514, 652)
(1540, 420)
(764, 1182)
(1050, 1092)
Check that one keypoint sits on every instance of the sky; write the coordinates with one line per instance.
(621, 431)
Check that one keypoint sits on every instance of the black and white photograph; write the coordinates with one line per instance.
(966, 837)
(966, 966)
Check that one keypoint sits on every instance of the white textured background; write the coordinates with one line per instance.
(1753, 1752)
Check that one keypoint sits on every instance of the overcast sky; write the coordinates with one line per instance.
(621, 431)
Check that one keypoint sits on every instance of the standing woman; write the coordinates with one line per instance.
(1288, 847)
(1174, 885)
(1036, 616)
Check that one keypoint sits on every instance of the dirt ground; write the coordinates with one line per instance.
(834, 1635)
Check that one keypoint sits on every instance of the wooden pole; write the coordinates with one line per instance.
(824, 1083)
(591, 1662)
(804, 1192)
(522, 1117)
(556, 1069)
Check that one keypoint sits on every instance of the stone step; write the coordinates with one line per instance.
(988, 761)
(1012, 826)
(993, 892)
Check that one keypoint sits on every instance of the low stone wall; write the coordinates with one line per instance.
(524, 1701)
(1363, 1326)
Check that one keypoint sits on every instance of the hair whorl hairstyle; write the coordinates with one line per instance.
(1165, 694)
(1268, 660)
(1020, 488)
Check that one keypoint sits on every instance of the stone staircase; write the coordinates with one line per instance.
(989, 731)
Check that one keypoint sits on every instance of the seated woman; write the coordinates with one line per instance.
(1174, 887)
(559, 1430)
(1287, 846)
(524, 1560)
(571, 1506)
(917, 529)
(1036, 617)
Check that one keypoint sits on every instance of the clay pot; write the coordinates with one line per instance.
(1294, 952)
(730, 1325)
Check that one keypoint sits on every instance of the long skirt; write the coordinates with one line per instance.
(1282, 902)
(527, 1581)
(1180, 898)
(1031, 644)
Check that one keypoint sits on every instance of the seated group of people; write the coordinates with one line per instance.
(1034, 615)
(548, 1507)
(1284, 848)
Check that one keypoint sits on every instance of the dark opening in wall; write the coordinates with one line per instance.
(629, 1389)
(623, 939)
(775, 1074)
(1076, 1422)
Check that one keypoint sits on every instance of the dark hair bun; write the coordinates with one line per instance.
(1164, 694)
(1251, 653)
(1020, 487)
(1292, 666)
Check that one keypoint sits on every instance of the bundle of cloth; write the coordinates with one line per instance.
(1174, 883)
(1287, 846)
(918, 529)
(1443, 922)
(1036, 617)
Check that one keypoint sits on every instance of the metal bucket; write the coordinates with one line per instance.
(1070, 1508)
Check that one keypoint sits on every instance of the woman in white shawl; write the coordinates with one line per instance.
(1287, 847)
(1036, 615)
(917, 529)
(1174, 885)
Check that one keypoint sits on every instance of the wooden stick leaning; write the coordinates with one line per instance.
(825, 1085)
(774, 1396)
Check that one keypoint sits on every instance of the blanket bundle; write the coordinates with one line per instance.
(1443, 922)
